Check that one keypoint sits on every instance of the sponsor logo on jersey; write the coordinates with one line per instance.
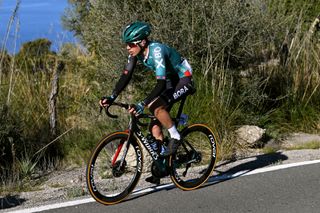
(180, 92)
(157, 55)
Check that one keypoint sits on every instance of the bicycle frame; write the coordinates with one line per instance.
(136, 134)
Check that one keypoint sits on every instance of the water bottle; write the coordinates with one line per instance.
(183, 120)
(162, 149)
(153, 142)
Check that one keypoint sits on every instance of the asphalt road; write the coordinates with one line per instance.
(291, 190)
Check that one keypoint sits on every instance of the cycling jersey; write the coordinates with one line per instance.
(166, 63)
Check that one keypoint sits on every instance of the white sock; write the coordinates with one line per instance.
(174, 132)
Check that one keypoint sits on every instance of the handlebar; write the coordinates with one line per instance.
(127, 106)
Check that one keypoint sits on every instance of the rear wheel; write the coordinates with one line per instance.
(195, 158)
(114, 168)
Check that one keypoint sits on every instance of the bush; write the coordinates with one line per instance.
(5, 62)
(35, 56)
(10, 138)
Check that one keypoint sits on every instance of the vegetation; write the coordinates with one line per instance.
(309, 145)
(254, 63)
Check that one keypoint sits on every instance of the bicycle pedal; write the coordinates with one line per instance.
(153, 180)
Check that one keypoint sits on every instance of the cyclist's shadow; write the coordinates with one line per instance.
(257, 162)
(238, 170)
(11, 201)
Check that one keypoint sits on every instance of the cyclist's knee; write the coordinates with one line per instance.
(159, 110)
(157, 132)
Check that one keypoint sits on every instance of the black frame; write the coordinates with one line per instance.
(135, 132)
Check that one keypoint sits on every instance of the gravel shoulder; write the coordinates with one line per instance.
(70, 184)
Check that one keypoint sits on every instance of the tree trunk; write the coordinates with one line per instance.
(53, 101)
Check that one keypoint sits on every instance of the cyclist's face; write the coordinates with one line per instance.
(133, 49)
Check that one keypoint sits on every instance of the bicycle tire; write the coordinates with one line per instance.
(108, 181)
(202, 139)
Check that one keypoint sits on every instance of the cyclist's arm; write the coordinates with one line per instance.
(125, 77)
(157, 90)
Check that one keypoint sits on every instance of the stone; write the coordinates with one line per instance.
(249, 135)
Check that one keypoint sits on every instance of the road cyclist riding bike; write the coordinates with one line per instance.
(188, 156)
(174, 82)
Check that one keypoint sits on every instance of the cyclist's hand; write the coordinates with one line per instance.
(137, 109)
(106, 101)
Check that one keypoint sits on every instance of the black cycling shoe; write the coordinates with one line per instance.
(153, 179)
(172, 147)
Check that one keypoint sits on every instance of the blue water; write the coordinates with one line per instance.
(37, 19)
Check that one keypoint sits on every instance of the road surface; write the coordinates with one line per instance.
(295, 189)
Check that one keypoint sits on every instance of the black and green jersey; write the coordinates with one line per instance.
(165, 61)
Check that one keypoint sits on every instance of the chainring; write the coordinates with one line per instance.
(159, 168)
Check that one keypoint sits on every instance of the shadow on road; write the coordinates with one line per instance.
(251, 164)
(10, 201)
(257, 162)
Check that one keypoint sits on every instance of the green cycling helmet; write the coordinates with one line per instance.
(135, 32)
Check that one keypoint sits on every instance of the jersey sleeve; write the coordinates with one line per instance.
(126, 76)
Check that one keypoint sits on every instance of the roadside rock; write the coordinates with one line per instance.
(249, 135)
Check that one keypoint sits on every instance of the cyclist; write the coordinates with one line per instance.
(174, 80)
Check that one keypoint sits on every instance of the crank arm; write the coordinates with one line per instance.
(187, 168)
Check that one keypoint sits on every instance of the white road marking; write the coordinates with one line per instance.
(261, 170)
(55, 206)
(141, 191)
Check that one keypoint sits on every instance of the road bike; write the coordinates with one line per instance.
(116, 163)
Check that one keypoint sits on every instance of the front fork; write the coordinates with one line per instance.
(120, 146)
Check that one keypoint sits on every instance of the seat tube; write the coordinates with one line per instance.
(183, 100)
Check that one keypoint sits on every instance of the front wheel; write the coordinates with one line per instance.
(195, 158)
(114, 168)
